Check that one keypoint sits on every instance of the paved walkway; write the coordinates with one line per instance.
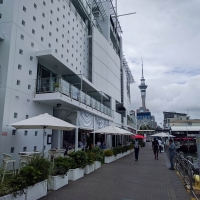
(127, 179)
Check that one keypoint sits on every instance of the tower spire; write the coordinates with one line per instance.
(143, 87)
(142, 68)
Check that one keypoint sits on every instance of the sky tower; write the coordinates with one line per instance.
(143, 88)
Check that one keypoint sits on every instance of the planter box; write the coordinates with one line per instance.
(11, 197)
(89, 169)
(119, 155)
(75, 174)
(124, 154)
(129, 151)
(37, 191)
(97, 165)
(108, 159)
(57, 182)
(132, 150)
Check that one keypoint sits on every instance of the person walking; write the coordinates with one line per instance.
(137, 148)
(160, 143)
(172, 152)
(155, 146)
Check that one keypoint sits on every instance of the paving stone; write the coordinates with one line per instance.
(127, 179)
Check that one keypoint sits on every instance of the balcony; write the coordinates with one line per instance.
(59, 85)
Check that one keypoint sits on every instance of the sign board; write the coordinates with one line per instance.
(4, 133)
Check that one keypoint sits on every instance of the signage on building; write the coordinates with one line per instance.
(4, 133)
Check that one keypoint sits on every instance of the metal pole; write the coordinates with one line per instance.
(94, 132)
(187, 137)
(43, 140)
(116, 15)
(198, 147)
(136, 122)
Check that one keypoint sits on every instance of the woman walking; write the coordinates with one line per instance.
(136, 147)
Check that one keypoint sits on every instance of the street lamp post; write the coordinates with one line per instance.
(187, 137)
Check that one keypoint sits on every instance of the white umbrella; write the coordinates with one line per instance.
(162, 134)
(112, 130)
(44, 121)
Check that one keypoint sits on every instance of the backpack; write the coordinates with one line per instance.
(136, 145)
(155, 144)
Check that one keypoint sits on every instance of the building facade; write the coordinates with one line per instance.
(64, 58)
(170, 117)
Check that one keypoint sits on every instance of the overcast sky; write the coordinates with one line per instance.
(167, 35)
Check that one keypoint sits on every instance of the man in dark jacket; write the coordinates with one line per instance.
(155, 147)
(172, 152)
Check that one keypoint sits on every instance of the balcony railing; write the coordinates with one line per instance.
(51, 85)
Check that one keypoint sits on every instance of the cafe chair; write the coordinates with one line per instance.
(24, 160)
(7, 160)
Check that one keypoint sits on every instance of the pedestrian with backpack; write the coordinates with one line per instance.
(137, 148)
(155, 147)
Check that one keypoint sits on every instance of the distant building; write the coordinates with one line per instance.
(170, 117)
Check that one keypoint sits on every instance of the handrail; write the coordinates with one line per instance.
(57, 84)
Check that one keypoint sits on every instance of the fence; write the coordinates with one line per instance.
(190, 173)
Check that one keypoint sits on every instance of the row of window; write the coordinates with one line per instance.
(12, 150)
(19, 82)
(34, 19)
(16, 114)
(20, 67)
(25, 133)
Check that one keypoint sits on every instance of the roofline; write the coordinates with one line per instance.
(175, 113)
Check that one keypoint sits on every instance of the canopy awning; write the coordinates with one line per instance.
(185, 128)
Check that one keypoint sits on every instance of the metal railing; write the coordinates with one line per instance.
(189, 171)
(55, 84)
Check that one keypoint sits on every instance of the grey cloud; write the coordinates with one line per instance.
(167, 35)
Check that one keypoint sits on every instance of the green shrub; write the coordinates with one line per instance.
(108, 152)
(61, 166)
(121, 149)
(80, 158)
(42, 165)
(116, 151)
(99, 155)
(37, 170)
(72, 164)
(126, 148)
(131, 146)
(90, 158)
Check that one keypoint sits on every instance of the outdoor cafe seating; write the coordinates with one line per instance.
(26, 157)
(6, 161)
(55, 153)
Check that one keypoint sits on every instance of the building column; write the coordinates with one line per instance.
(76, 132)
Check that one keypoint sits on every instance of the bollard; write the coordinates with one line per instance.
(198, 148)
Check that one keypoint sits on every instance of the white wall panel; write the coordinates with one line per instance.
(105, 57)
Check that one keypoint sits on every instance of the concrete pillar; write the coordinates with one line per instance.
(57, 139)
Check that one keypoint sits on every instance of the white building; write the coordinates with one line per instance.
(61, 57)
